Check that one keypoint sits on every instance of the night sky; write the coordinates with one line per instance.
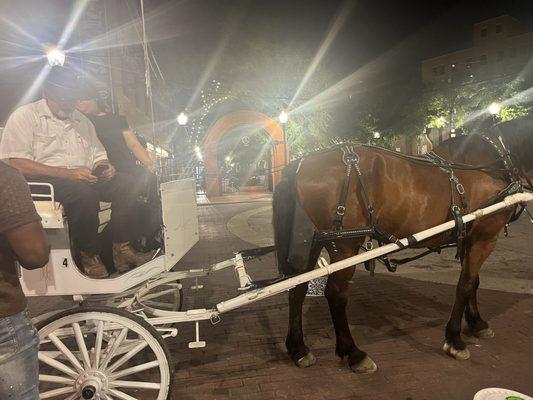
(373, 27)
(193, 29)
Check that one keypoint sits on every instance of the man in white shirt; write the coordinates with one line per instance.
(51, 141)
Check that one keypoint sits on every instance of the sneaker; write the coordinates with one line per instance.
(93, 266)
(125, 257)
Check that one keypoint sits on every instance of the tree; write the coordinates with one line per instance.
(465, 103)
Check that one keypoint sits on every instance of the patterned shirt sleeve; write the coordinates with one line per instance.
(16, 205)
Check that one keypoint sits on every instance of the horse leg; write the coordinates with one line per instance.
(476, 325)
(294, 343)
(337, 296)
(475, 256)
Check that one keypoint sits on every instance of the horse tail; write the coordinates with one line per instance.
(283, 204)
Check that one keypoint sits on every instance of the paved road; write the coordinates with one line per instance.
(398, 321)
(509, 268)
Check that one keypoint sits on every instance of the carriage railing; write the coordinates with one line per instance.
(49, 196)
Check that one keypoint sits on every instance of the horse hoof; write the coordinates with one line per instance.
(306, 361)
(457, 354)
(484, 334)
(365, 366)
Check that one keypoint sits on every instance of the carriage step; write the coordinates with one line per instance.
(196, 285)
(197, 344)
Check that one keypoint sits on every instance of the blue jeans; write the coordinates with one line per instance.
(19, 367)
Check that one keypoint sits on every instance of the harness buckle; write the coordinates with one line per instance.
(460, 188)
(341, 210)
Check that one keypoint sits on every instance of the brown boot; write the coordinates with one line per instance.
(93, 266)
(125, 257)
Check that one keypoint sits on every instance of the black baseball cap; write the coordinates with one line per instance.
(62, 83)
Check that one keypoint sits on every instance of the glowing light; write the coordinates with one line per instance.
(495, 108)
(228, 158)
(182, 119)
(453, 134)
(55, 56)
(377, 135)
(198, 153)
(283, 117)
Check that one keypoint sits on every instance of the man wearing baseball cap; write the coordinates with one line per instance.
(50, 141)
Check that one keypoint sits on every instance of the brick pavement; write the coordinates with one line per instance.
(398, 321)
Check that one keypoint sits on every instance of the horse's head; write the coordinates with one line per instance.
(518, 137)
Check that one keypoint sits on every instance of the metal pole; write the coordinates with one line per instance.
(147, 77)
(286, 153)
(108, 51)
(271, 290)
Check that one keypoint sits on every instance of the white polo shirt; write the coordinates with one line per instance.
(34, 133)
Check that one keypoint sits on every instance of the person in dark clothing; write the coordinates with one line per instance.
(22, 238)
(50, 141)
(123, 148)
(128, 156)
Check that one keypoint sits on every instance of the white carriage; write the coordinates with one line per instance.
(115, 349)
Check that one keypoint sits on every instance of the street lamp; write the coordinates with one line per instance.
(55, 56)
(283, 119)
(182, 119)
(495, 108)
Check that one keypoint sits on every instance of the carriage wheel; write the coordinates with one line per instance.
(167, 297)
(102, 353)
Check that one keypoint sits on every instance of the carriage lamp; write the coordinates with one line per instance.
(283, 117)
(55, 56)
(182, 119)
(495, 108)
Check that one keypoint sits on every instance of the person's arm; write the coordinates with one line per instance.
(31, 168)
(138, 150)
(30, 245)
(19, 221)
(99, 154)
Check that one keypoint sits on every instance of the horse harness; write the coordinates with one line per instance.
(351, 160)
(515, 174)
(458, 205)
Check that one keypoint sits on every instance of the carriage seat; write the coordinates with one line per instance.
(51, 211)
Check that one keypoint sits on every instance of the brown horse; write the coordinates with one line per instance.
(407, 196)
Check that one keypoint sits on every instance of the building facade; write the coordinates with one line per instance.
(500, 48)
(116, 60)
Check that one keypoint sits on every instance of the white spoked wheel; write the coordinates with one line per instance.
(167, 296)
(102, 353)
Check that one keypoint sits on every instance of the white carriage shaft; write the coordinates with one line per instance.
(166, 317)
(61, 276)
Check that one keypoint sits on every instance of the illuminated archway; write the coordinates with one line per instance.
(226, 124)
